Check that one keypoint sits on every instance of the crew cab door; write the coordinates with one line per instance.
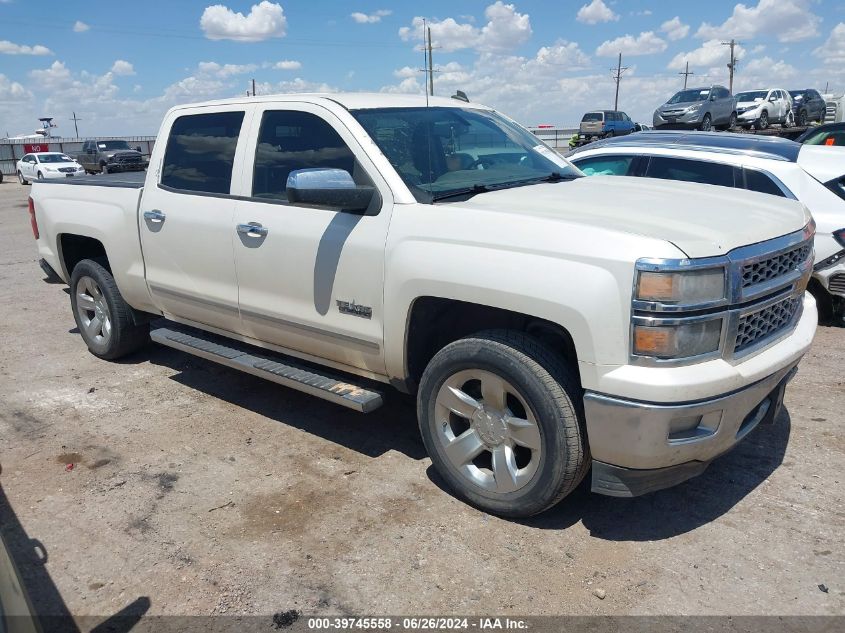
(310, 278)
(187, 217)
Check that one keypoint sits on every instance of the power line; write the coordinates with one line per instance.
(617, 78)
(686, 75)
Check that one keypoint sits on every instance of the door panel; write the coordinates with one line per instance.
(313, 282)
(186, 221)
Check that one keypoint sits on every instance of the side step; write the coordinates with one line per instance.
(235, 355)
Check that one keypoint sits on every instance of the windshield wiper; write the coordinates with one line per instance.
(556, 176)
(469, 192)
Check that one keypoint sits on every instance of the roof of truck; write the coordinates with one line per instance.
(349, 100)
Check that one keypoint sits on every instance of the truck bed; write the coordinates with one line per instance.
(129, 179)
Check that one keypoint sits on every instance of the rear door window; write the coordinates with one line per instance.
(605, 165)
(758, 181)
(200, 152)
(690, 171)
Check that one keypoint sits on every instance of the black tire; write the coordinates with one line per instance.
(125, 336)
(732, 121)
(40, 176)
(763, 121)
(555, 401)
(21, 179)
(609, 134)
(706, 123)
(802, 118)
(104, 168)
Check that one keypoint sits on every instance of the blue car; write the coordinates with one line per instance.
(604, 124)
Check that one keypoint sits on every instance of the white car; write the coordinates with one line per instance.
(813, 174)
(758, 108)
(46, 166)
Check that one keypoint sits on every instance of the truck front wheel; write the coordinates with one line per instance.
(502, 420)
(104, 319)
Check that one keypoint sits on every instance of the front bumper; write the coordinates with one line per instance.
(640, 447)
(749, 117)
(58, 175)
(684, 121)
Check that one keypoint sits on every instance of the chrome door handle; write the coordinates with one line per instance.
(154, 216)
(252, 229)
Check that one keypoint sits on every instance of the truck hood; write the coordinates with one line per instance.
(701, 220)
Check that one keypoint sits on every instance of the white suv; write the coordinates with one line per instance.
(758, 108)
(815, 175)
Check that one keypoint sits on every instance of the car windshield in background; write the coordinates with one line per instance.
(112, 145)
(54, 158)
(797, 94)
(592, 116)
(754, 95)
(688, 96)
(443, 152)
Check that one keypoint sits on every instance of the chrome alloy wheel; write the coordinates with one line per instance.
(93, 311)
(487, 431)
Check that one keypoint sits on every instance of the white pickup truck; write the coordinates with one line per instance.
(547, 323)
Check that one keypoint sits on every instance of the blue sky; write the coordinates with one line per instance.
(120, 65)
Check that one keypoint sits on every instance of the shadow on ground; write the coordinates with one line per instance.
(667, 513)
(30, 558)
(392, 427)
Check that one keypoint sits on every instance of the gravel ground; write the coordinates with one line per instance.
(195, 489)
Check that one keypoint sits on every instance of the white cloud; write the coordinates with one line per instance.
(646, 43)
(710, 53)
(758, 49)
(505, 29)
(10, 48)
(265, 20)
(833, 50)
(287, 64)
(371, 18)
(595, 12)
(675, 29)
(12, 91)
(787, 21)
(80, 27)
(562, 54)
(223, 71)
(122, 67)
(764, 71)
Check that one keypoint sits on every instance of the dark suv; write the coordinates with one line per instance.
(807, 105)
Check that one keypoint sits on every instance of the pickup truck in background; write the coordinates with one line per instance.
(110, 156)
(547, 323)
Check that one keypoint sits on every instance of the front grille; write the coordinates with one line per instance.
(127, 159)
(837, 283)
(67, 170)
(763, 324)
(774, 267)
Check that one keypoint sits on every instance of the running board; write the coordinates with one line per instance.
(233, 354)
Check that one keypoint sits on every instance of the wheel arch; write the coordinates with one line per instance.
(434, 322)
(73, 248)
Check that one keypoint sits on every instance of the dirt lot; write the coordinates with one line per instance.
(206, 491)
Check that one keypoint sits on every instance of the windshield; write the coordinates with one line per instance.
(797, 94)
(54, 158)
(443, 151)
(111, 145)
(688, 96)
(753, 95)
(593, 116)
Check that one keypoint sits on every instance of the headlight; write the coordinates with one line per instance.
(688, 288)
(683, 340)
(694, 108)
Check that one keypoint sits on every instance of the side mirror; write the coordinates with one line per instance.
(712, 97)
(138, 149)
(327, 187)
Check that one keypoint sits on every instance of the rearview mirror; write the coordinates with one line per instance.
(328, 187)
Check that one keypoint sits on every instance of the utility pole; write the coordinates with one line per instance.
(686, 74)
(253, 87)
(734, 62)
(75, 127)
(430, 65)
(617, 77)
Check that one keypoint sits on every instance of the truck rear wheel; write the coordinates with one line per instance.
(502, 420)
(104, 319)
